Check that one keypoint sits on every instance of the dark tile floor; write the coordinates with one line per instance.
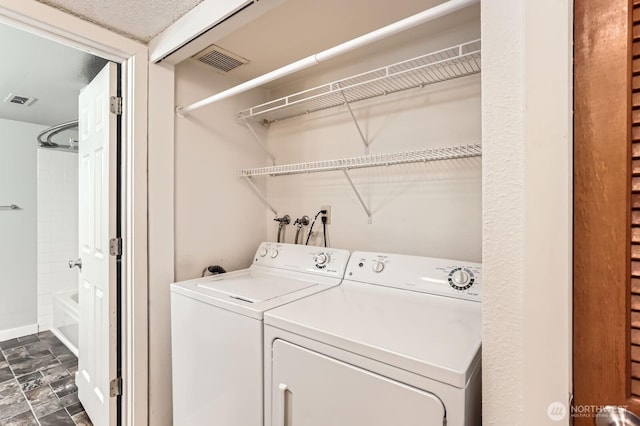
(37, 383)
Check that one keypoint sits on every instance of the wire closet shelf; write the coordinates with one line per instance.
(376, 160)
(435, 67)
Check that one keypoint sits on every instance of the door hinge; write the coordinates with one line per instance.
(115, 387)
(116, 105)
(115, 247)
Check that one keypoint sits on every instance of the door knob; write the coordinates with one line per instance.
(616, 416)
(74, 263)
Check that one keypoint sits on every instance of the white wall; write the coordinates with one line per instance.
(429, 209)
(57, 228)
(218, 220)
(161, 240)
(216, 217)
(18, 248)
(527, 192)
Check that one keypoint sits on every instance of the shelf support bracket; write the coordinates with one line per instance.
(355, 121)
(260, 142)
(364, 205)
(261, 196)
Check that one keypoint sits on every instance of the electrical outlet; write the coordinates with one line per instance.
(328, 215)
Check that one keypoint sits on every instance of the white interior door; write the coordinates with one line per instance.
(310, 389)
(97, 221)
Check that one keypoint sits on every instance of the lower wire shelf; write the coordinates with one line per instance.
(376, 160)
(346, 164)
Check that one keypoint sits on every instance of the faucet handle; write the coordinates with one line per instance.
(284, 220)
(302, 221)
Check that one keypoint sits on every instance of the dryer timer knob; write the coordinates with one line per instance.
(274, 253)
(460, 278)
(263, 252)
(378, 266)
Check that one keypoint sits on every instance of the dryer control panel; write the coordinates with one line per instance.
(462, 280)
(300, 258)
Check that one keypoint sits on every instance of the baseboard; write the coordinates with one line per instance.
(12, 333)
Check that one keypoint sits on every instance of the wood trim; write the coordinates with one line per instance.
(602, 204)
(634, 128)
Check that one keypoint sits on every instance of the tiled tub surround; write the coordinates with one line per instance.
(37, 383)
(57, 194)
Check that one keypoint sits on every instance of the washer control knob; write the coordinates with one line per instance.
(322, 259)
(274, 253)
(460, 278)
(263, 252)
(378, 266)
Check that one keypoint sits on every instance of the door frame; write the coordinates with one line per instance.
(72, 31)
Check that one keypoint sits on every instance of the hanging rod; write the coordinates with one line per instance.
(376, 160)
(435, 12)
(54, 130)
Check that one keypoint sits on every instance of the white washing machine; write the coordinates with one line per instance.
(397, 344)
(217, 332)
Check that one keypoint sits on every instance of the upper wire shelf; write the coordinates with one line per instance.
(376, 160)
(442, 65)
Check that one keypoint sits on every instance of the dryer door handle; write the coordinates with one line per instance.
(282, 404)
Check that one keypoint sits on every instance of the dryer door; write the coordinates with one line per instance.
(310, 389)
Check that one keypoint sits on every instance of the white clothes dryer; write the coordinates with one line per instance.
(398, 343)
(217, 332)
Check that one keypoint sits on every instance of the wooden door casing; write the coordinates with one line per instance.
(603, 333)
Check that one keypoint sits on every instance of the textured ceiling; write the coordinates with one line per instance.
(137, 19)
(35, 67)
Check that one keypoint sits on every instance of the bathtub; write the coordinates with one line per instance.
(65, 319)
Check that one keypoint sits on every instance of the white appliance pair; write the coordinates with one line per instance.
(397, 343)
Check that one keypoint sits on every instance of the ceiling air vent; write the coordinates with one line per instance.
(219, 58)
(20, 100)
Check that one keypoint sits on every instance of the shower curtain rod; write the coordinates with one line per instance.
(54, 130)
(379, 34)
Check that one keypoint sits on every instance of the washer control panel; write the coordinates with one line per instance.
(300, 258)
(422, 274)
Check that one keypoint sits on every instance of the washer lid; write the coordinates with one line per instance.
(245, 287)
(434, 336)
(253, 291)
